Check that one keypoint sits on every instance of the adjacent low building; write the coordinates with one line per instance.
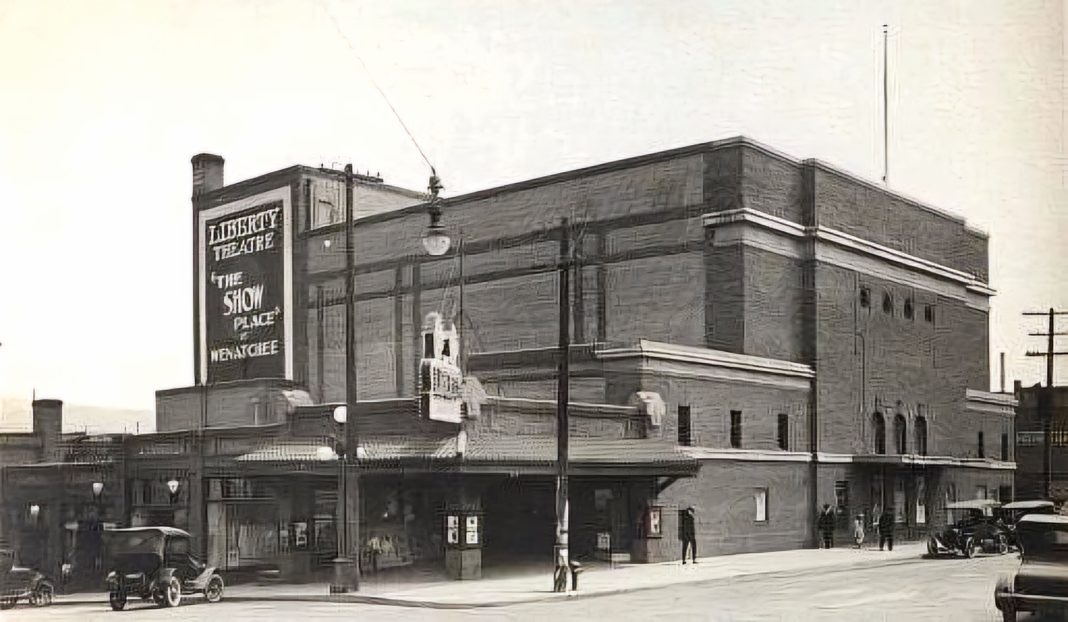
(753, 335)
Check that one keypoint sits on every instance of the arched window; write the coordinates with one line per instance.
(921, 436)
(879, 427)
(900, 434)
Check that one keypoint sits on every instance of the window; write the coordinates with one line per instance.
(841, 502)
(784, 432)
(980, 492)
(684, 426)
(428, 346)
(736, 429)
(921, 500)
(908, 308)
(928, 313)
(921, 436)
(760, 497)
(865, 297)
(1004, 447)
(879, 429)
(888, 304)
(982, 450)
(900, 434)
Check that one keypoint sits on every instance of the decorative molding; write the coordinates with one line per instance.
(1006, 400)
(747, 455)
(848, 241)
(675, 370)
(656, 350)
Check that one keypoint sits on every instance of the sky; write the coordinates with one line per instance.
(104, 103)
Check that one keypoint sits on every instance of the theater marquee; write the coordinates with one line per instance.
(246, 289)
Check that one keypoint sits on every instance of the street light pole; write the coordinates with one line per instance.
(561, 552)
(347, 566)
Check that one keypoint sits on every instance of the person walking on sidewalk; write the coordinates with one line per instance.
(858, 530)
(886, 529)
(688, 533)
(826, 526)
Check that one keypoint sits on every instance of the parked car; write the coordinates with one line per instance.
(156, 563)
(971, 528)
(17, 583)
(1040, 584)
(1011, 513)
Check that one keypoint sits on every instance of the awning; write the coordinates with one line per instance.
(497, 451)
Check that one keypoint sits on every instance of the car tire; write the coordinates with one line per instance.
(932, 549)
(172, 593)
(1008, 614)
(214, 590)
(970, 548)
(9, 602)
(42, 595)
(1003, 546)
(117, 600)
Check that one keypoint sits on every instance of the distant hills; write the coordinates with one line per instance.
(16, 415)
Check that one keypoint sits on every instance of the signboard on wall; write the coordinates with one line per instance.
(246, 289)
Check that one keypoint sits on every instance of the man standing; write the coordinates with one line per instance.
(688, 533)
(886, 529)
(826, 526)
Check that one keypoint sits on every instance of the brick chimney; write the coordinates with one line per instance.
(207, 173)
(48, 427)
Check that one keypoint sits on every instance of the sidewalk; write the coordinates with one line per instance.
(596, 580)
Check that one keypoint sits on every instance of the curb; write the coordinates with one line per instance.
(429, 604)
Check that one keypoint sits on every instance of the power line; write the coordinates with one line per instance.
(374, 83)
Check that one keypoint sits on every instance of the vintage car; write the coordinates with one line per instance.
(1041, 582)
(971, 528)
(22, 583)
(156, 563)
(1011, 513)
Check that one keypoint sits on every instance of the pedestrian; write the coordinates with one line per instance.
(688, 533)
(858, 530)
(826, 526)
(886, 529)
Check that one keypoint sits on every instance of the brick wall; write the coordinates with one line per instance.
(224, 405)
(723, 495)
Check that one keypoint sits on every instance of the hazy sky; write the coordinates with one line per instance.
(103, 103)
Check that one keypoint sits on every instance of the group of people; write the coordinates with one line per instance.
(884, 524)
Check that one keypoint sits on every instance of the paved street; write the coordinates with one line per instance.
(917, 590)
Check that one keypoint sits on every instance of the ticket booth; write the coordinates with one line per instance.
(463, 544)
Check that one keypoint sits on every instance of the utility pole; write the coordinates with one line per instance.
(1045, 398)
(561, 552)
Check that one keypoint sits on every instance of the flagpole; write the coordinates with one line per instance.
(886, 115)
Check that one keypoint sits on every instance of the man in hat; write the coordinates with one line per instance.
(826, 526)
(886, 529)
(688, 533)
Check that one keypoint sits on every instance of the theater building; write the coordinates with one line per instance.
(753, 334)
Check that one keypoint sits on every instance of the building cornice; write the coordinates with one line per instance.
(848, 241)
(701, 356)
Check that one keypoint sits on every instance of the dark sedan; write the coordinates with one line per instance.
(1041, 582)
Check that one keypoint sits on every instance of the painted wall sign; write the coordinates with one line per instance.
(246, 289)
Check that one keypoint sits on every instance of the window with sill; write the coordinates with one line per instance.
(684, 426)
(784, 432)
(736, 429)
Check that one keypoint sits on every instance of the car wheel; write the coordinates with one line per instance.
(117, 600)
(42, 595)
(1008, 614)
(8, 603)
(172, 593)
(1003, 546)
(932, 550)
(970, 549)
(214, 591)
